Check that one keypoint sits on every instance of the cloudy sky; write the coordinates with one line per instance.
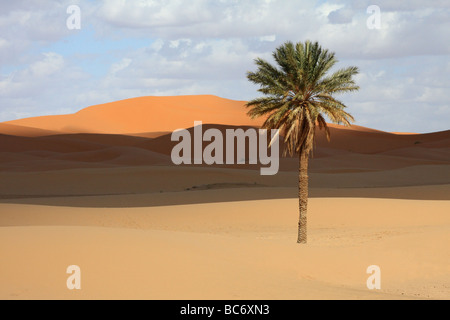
(132, 48)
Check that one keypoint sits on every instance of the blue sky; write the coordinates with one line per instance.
(129, 48)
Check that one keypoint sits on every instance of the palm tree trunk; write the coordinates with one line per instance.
(303, 197)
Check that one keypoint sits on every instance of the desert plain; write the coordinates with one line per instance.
(98, 189)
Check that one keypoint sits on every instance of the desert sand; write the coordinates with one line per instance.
(145, 114)
(97, 189)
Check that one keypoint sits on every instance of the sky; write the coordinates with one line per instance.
(133, 48)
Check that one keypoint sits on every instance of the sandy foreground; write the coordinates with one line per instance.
(232, 250)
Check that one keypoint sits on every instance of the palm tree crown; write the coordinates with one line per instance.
(299, 94)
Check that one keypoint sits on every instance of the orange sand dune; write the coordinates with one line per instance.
(122, 163)
(146, 114)
(23, 131)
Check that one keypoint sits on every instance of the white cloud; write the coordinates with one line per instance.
(27, 23)
(148, 13)
(343, 15)
(47, 84)
(4, 43)
(204, 19)
(116, 67)
(51, 64)
(270, 38)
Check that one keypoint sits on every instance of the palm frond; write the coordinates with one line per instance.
(299, 95)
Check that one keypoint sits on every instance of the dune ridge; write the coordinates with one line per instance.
(145, 114)
(37, 161)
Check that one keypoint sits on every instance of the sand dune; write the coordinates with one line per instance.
(24, 131)
(146, 114)
(42, 144)
(98, 189)
(349, 151)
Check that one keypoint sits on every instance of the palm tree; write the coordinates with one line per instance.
(298, 95)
